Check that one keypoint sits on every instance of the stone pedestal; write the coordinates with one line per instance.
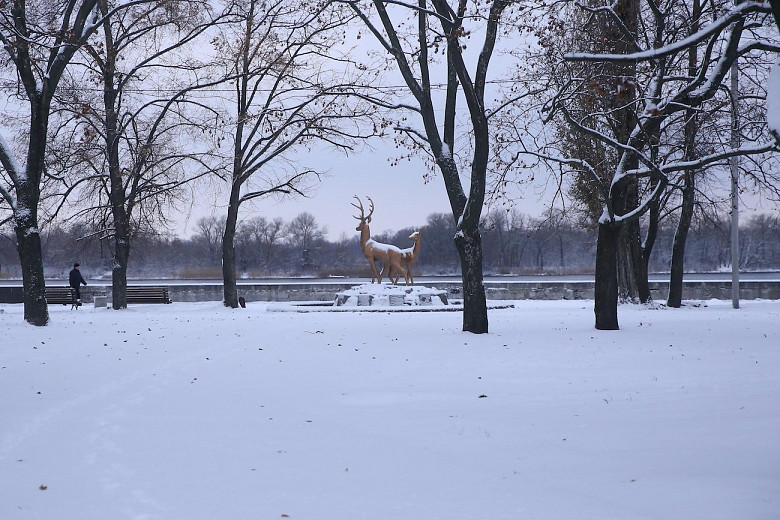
(376, 295)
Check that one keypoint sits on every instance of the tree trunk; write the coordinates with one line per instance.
(28, 239)
(606, 285)
(117, 195)
(639, 263)
(119, 274)
(632, 279)
(689, 181)
(230, 290)
(633, 285)
(776, 11)
(28, 243)
(680, 238)
(121, 258)
(628, 290)
(468, 240)
(654, 218)
(469, 246)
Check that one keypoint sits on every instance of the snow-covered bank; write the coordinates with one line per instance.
(194, 411)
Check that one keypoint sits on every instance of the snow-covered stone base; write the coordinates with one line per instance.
(385, 298)
(370, 295)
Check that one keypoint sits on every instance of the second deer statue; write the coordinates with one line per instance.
(390, 256)
(410, 256)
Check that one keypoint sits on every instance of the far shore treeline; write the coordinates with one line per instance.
(514, 244)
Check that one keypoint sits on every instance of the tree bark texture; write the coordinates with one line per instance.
(628, 290)
(680, 238)
(633, 284)
(475, 316)
(654, 218)
(28, 239)
(117, 194)
(776, 12)
(633, 264)
(122, 238)
(119, 273)
(230, 289)
(28, 243)
(606, 285)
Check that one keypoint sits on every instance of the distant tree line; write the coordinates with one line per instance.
(514, 243)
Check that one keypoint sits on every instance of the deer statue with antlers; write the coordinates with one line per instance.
(409, 258)
(390, 256)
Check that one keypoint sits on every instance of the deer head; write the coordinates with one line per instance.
(363, 218)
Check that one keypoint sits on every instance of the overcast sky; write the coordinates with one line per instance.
(401, 196)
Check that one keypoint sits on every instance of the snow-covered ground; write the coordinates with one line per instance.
(192, 411)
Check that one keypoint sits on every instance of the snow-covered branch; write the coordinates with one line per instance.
(10, 165)
(738, 12)
(642, 208)
(706, 160)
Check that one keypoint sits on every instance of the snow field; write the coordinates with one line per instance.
(193, 411)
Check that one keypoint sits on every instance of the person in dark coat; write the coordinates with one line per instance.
(76, 280)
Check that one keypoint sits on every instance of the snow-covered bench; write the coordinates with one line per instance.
(148, 295)
(61, 295)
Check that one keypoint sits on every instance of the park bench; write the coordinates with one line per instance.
(148, 295)
(60, 295)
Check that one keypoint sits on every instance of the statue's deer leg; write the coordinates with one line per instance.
(387, 271)
(400, 270)
(374, 272)
(392, 273)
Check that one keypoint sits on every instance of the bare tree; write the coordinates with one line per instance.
(441, 24)
(133, 140)
(438, 248)
(286, 97)
(663, 97)
(210, 231)
(40, 40)
(265, 236)
(303, 232)
(506, 231)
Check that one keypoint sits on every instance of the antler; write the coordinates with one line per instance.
(360, 207)
(362, 211)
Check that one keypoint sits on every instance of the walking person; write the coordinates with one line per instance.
(76, 280)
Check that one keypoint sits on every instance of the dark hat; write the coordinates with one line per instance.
(76, 264)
